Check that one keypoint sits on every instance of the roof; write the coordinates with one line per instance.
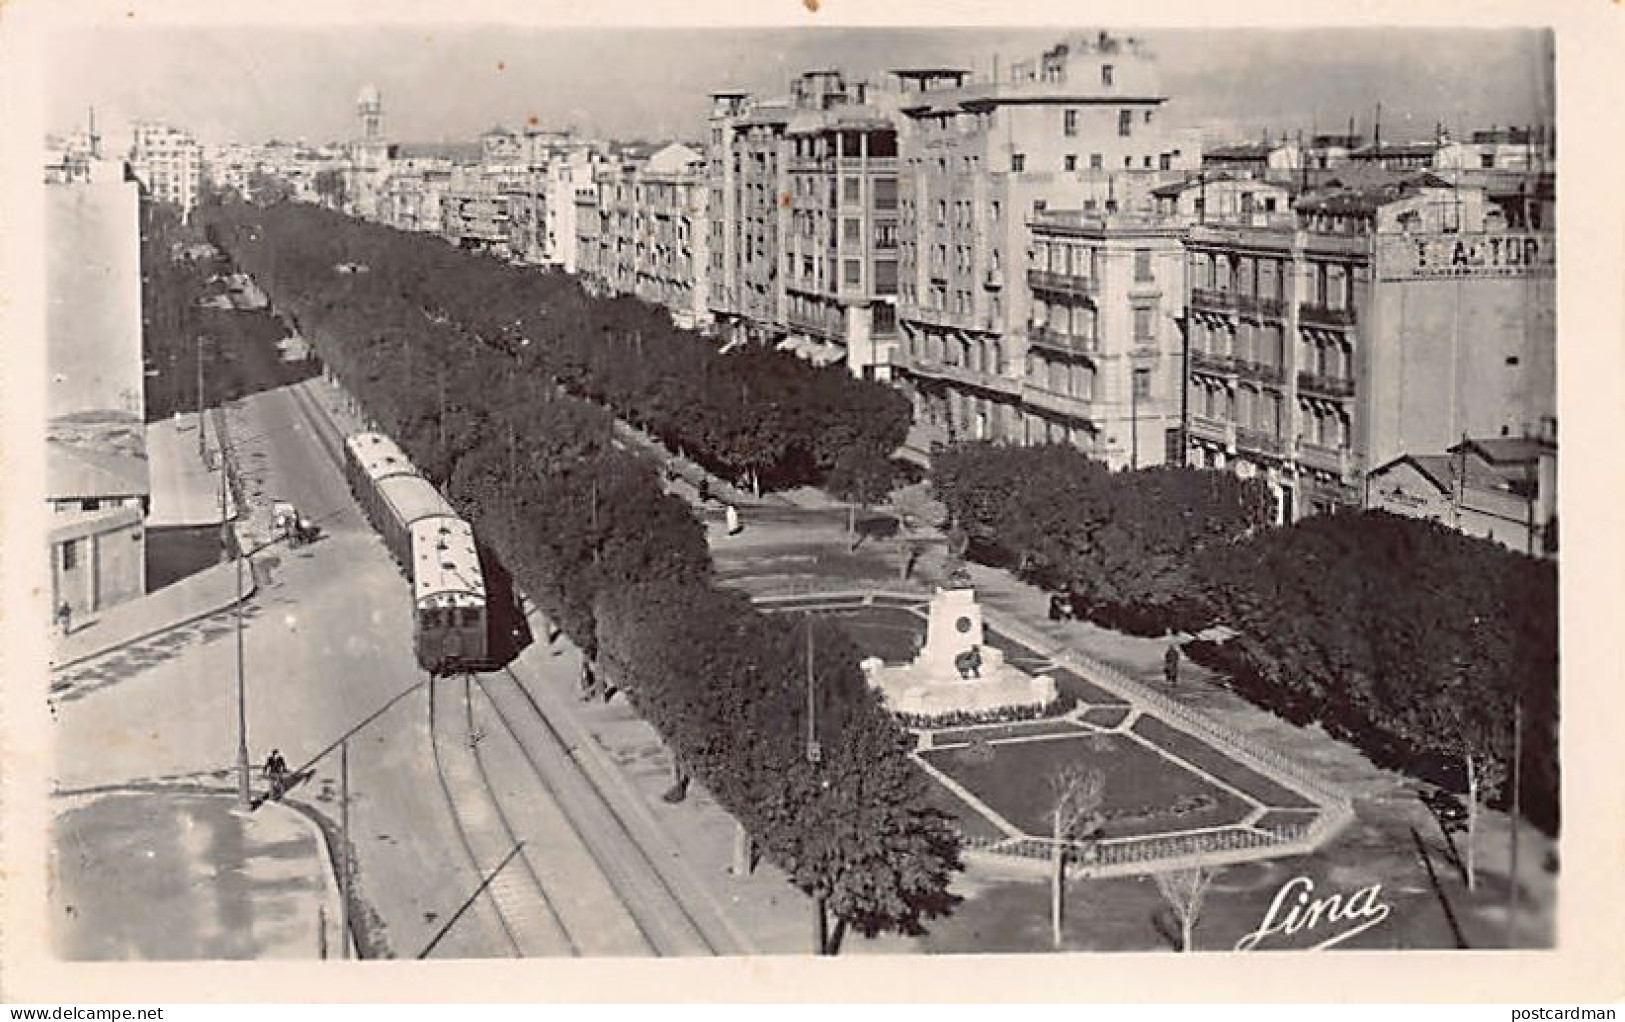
(93, 300)
(79, 471)
(674, 159)
(379, 456)
(1336, 198)
(1509, 450)
(412, 498)
(1250, 151)
(446, 564)
(1377, 152)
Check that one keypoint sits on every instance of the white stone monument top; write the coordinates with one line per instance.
(953, 627)
(933, 684)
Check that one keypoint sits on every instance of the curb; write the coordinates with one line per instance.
(332, 890)
(249, 590)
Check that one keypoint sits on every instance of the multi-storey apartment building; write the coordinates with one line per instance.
(748, 214)
(168, 162)
(413, 192)
(1101, 368)
(1381, 321)
(670, 258)
(1077, 129)
(641, 229)
(840, 251)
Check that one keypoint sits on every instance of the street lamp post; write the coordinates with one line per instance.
(244, 798)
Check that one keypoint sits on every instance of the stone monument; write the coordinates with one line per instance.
(956, 672)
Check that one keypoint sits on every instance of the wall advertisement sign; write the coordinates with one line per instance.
(1434, 256)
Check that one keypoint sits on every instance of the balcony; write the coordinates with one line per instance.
(1322, 385)
(1267, 308)
(1212, 362)
(1208, 298)
(1057, 403)
(1062, 283)
(1260, 442)
(993, 279)
(1216, 431)
(964, 375)
(1045, 337)
(1260, 372)
(1336, 460)
(1320, 315)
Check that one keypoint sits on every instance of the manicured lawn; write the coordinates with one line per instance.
(1000, 732)
(1142, 788)
(1106, 716)
(1200, 754)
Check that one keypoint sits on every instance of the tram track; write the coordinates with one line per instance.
(659, 910)
(581, 882)
(527, 916)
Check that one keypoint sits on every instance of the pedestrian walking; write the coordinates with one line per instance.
(732, 515)
(704, 489)
(276, 773)
(1170, 665)
(64, 617)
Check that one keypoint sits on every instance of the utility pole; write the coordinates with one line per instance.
(1517, 818)
(344, 848)
(202, 453)
(243, 796)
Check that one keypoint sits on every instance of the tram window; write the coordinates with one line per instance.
(471, 617)
(431, 619)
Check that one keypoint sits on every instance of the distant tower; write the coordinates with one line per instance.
(369, 108)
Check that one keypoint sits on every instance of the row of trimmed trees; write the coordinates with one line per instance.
(623, 569)
(1432, 651)
(761, 417)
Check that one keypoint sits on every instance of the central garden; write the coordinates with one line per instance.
(1157, 779)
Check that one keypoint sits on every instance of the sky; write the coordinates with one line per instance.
(450, 82)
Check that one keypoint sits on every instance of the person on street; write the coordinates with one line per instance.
(732, 515)
(276, 773)
(1170, 665)
(64, 617)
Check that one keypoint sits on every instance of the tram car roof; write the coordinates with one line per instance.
(413, 498)
(379, 456)
(445, 564)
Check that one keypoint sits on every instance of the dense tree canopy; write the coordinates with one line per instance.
(496, 386)
(1414, 641)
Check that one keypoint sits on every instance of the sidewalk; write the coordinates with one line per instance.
(185, 490)
(172, 875)
(199, 596)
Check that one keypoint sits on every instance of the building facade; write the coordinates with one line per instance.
(168, 162)
(97, 481)
(1078, 129)
(748, 215)
(1385, 321)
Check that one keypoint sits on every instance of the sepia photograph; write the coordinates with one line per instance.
(517, 490)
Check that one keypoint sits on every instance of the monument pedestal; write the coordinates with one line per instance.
(955, 672)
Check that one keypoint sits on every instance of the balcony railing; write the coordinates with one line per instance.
(1254, 305)
(1209, 298)
(1062, 283)
(1213, 430)
(1046, 337)
(1210, 362)
(1057, 402)
(1322, 315)
(1259, 440)
(1337, 460)
(1326, 386)
(964, 374)
(1259, 371)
